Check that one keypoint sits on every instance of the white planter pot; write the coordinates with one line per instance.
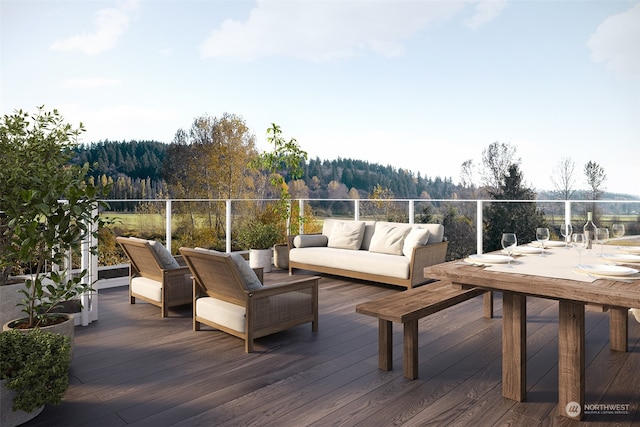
(9, 417)
(261, 258)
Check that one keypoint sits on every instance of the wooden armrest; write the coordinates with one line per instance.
(280, 288)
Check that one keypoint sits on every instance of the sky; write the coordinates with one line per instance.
(421, 85)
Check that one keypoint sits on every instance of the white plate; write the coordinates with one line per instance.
(490, 259)
(550, 244)
(607, 269)
(630, 249)
(525, 250)
(624, 258)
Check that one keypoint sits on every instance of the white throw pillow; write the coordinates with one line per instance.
(346, 235)
(416, 237)
(167, 261)
(388, 239)
(247, 274)
(636, 313)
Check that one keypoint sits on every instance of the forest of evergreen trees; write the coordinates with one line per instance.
(135, 169)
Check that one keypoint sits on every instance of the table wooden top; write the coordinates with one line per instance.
(623, 292)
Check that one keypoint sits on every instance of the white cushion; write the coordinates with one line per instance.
(346, 235)
(310, 240)
(388, 239)
(221, 312)
(359, 261)
(636, 313)
(146, 287)
(167, 261)
(249, 276)
(416, 237)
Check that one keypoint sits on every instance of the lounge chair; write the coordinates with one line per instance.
(227, 295)
(155, 276)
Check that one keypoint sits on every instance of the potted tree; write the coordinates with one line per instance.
(34, 371)
(49, 210)
(258, 237)
(286, 160)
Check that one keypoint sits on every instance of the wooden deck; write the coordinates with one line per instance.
(132, 367)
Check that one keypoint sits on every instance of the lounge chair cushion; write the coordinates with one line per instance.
(388, 239)
(416, 237)
(221, 312)
(346, 235)
(147, 288)
(167, 261)
(249, 276)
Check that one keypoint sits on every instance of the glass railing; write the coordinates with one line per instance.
(212, 223)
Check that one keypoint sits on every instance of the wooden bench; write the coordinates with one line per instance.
(408, 307)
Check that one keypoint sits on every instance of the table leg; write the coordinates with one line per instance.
(514, 346)
(385, 345)
(487, 305)
(410, 356)
(571, 369)
(619, 328)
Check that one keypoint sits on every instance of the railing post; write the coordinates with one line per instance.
(567, 212)
(356, 209)
(228, 225)
(168, 223)
(479, 227)
(301, 213)
(412, 212)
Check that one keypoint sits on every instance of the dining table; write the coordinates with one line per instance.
(606, 278)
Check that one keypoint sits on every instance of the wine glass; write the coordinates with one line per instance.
(509, 242)
(618, 231)
(542, 235)
(580, 242)
(566, 230)
(602, 235)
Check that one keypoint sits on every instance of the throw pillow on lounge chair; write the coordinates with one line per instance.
(636, 313)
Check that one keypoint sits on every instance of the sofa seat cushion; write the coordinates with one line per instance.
(361, 261)
(147, 288)
(221, 312)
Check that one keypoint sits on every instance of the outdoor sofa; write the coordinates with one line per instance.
(386, 252)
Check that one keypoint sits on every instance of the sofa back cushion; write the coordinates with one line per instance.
(345, 234)
(388, 238)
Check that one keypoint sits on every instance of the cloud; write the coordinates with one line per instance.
(126, 122)
(89, 83)
(616, 43)
(321, 31)
(110, 24)
(486, 11)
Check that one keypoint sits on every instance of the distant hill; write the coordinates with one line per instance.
(136, 170)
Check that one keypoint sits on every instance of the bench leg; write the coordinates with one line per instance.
(410, 344)
(385, 345)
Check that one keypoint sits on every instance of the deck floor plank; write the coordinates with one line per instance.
(133, 368)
